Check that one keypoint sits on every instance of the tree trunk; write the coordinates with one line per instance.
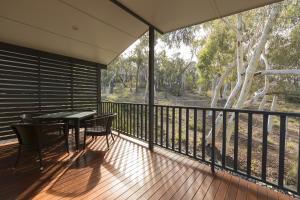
(262, 103)
(269, 72)
(256, 55)
(217, 89)
(224, 93)
(137, 79)
(266, 87)
(240, 78)
(253, 65)
(146, 88)
(271, 117)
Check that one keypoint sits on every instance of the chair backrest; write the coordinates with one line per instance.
(110, 119)
(26, 134)
(104, 121)
(31, 134)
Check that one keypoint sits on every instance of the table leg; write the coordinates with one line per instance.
(66, 134)
(77, 130)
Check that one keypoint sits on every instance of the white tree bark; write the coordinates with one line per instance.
(213, 83)
(224, 93)
(262, 103)
(269, 72)
(271, 118)
(266, 87)
(253, 63)
(240, 78)
(256, 55)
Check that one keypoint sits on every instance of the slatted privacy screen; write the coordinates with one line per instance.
(35, 82)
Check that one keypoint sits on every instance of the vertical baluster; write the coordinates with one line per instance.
(111, 109)
(298, 184)
(120, 110)
(224, 139)
(115, 120)
(179, 127)
(195, 132)
(127, 119)
(123, 115)
(282, 150)
(146, 122)
(162, 126)
(133, 120)
(117, 111)
(130, 119)
(156, 124)
(249, 146)
(142, 120)
(137, 120)
(187, 120)
(213, 138)
(203, 133)
(167, 128)
(119, 118)
(236, 139)
(264, 148)
(173, 128)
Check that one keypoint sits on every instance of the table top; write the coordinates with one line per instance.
(67, 115)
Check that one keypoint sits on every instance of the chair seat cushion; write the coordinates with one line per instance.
(96, 133)
(97, 130)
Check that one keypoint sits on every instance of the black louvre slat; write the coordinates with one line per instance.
(36, 82)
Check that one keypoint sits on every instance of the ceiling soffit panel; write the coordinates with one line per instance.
(40, 40)
(72, 22)
(170, 15)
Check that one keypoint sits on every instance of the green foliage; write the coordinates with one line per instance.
(218, 49)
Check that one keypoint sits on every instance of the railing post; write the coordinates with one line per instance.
(213, 133)
(281, 150)
(236, 140)
(151, 85)
(249, 145)
(264, 148)
(224, 139)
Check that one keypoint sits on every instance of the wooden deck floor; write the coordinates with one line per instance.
(127, 171)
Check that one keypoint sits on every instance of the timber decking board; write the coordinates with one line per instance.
(127, 171)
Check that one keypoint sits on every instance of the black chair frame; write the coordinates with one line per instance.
(99, 126)
(36, 137)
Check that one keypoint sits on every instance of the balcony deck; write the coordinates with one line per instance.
(127, 171)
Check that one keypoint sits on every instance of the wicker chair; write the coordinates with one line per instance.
(100, 126)
(36, 137)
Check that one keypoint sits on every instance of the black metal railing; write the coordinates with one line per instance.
(253, 151)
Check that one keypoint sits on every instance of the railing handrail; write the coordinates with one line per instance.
(292, 114)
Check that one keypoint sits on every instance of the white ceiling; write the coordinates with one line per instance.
(98, 30)
(170, 15)
(102, 30)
